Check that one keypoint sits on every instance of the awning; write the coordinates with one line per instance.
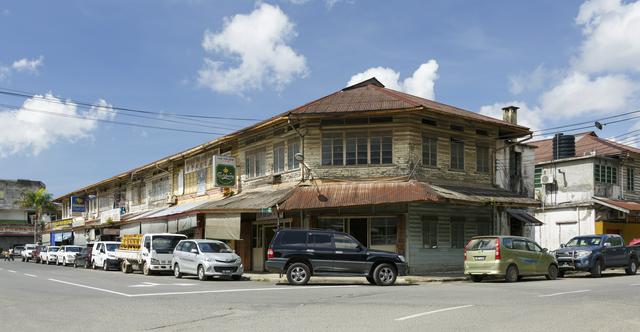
(357, 194)
(247, 201)
(484, 194)
(524, 217)
(620, 205)
(222, 226)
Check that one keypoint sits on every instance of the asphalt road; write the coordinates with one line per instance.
(38, 297)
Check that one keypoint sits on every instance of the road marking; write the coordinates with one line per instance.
(30, 275)
(151, 284)
(634, 285)
(12, 271)
(563, 293)
(90, 287)
(433, 312)
(240, 290)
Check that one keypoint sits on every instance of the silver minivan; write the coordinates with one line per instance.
(206, 258)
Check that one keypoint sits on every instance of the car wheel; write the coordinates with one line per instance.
(632, 268)
(23, 259)
(476, 278)
(370, 280)
(385, 274)
(176, 271)
(596, 269)
(201, 275)
(93, 265)
(64, 262)
(552, 272)
(105, 265)
(236, 277)
(145, 269)
(298, 274)
(75, 264)
(86, 264)
(512, 274)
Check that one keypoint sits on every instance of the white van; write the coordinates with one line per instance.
(103, 255)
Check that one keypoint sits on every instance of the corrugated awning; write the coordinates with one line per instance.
(620, 205)
(247, 201)
(524, 216)
(357, 194)
(484, 194)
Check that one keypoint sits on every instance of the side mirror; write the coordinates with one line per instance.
(562, 245)
(194, 251)
(607, 244)
(545, 250)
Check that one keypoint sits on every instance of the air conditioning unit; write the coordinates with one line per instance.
(172, 200)
(546, 179)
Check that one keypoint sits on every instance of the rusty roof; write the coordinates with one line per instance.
(357, 194)
(587, 143)
(620, 205)
(483, 195)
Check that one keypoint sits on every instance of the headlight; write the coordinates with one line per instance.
(401, 258)
(552, 253)
(238, 260)
(209, 259)
(154, 261)
(582, 253)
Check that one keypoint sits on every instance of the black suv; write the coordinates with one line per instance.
(302, 253)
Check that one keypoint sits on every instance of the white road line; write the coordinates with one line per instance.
(31, 275)
(12, 271)
(634, 285)
(563, 293)
(433, 312)
(89, 287)
(240, 290)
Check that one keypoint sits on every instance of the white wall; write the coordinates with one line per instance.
(574, 181)
(561, 224)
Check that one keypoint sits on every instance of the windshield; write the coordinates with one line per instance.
(54, 248)
(112, 246)
(584, 241)
(215, 247)
(482, 244)
(73, 249)
(164, 244)
(30, 246)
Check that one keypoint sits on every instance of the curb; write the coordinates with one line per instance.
(355, 280)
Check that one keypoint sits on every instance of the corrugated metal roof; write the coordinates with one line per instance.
(483, 195)
(524, 217)
(247, 201)
(357, 194)
(620, 205)
(586, 144)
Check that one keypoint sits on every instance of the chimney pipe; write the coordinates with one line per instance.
(510, 114)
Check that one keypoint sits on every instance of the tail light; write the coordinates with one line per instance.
(269, 253)
(465, 250)
(498, 256)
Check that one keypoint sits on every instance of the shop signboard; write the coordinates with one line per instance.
(110, 216)
(77, 204)
(224, 170)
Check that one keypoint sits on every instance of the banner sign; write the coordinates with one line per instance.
(224, 170)
(77, 204)
(58, 224)
(112, 215)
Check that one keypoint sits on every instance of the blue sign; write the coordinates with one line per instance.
(77, 204)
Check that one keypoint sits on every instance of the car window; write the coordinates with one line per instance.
(112, 246)
(187, 246)
(482, 244)
(179, 246)
(73, 249)
(507, 243)
(216, 247)
(520, 245)
(616, 241)
(319, 240)
(293, 238)
(533, 247)
(344, 242)
(584, 241)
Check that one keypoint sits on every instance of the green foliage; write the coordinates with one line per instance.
(39, 200)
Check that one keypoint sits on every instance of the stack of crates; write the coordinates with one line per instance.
(131, 242)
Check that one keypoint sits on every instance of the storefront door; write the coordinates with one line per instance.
(359, 230)
(262, 233)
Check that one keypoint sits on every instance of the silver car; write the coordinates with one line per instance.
(206, 258)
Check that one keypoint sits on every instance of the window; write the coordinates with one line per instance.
(159, 188)
(333, 224)
(320, 241)
(482, 159)
(533, 246)
(457, 154)
(457, 232)
(631, 175)
(293, 239)
(278, 158)
(255, 163)
(537, 174)
(614, 175)
(357, 148)
(344, 242)
(429, 232)
(383, 231)
(520, 245)
(429, 151)
(293, 147)
(605, 174)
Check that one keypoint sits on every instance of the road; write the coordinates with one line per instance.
(38, 297)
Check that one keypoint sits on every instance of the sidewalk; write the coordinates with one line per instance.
(404, 280)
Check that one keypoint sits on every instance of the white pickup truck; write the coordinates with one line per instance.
(147, 252)
(27, 252)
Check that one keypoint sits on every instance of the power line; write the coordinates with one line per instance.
(18, 93)
(13, 107)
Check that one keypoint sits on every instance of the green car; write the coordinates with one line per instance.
(508, 257)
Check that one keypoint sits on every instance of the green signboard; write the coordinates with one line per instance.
(225, 171)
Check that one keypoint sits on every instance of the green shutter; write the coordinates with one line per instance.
(596, 172)
(537, 173)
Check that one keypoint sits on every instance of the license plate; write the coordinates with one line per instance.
(226, 271)
(479, 258)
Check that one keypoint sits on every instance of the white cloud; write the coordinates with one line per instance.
(527, 116)
(4, 72)
(421, 83)
(611, 29)
(30, 129)
(27, 65)
(532, 81)
(257, 42)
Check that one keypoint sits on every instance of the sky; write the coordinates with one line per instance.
(561, 62)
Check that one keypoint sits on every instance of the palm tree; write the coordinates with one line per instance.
(39, 201)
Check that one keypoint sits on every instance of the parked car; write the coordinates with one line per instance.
(27, 252)
(206, 258)
(49, 255)
(83, 258)
(37, 253)
(301, 254)
(595, 253)
(508, 257)
(67, 255)
(634, 242)
(17, 251)
(104, 255)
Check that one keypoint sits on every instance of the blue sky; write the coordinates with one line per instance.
(561, 61)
